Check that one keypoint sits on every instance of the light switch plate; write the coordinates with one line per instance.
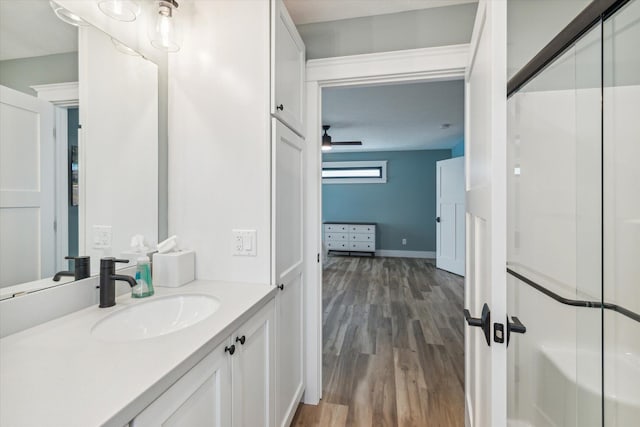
(102, 236)
(243, 242)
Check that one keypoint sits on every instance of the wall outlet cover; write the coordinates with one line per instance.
(404, 241)
(102, 235)
(243, 242)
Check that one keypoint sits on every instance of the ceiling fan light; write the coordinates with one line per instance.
(326, 145)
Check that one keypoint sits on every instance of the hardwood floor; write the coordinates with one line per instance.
(393, 343)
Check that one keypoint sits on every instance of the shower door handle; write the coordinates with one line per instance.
(484, 321)
(516, 327)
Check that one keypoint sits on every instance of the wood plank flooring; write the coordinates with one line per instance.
(393, 345)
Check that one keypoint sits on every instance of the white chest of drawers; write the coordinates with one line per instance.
(350, 237)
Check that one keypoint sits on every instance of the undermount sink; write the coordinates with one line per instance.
(159, 316)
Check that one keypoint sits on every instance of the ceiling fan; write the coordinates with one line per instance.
(327, 144)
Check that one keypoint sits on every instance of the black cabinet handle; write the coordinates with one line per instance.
(437, 219)
(280, 107)
(483, 322)
(241, 339)
(230, 349)
(516, 327)
(281, 287)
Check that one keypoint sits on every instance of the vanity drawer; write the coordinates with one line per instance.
(362, 228)
(362, 246)
(336, 227)
(337, 245)
(362, 237)
(336, 237)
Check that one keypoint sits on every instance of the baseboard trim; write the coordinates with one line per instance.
(405, 254)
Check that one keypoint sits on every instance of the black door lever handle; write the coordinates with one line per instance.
(483, 321)
(516, 327)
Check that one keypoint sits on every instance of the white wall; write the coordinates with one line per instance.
(219, 148)
(439, 26)
(531, 24)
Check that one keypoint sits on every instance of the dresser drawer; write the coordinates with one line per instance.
(337, 246)
(362, 228)
(336, 227)
(362, 246)
(336, 237)
(362, 237)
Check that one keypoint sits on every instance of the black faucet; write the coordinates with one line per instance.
(108, 279)
(82, 268)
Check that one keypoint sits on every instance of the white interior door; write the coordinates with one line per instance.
(450, 215)
(485, 281)
(27, 244)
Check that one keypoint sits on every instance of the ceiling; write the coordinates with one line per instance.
(396, 117)
(30, 28)
(308, 11)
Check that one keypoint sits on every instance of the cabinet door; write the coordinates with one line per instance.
(288, 214)
(252, 368)
(288, 66)
(288, 160)
(289, 351)
(201, 397)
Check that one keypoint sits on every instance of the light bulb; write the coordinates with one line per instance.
(121, 10)
(165, 34)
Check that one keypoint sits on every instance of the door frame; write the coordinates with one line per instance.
(412, 65)
(63, 96)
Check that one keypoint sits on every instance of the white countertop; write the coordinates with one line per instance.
(58, 374)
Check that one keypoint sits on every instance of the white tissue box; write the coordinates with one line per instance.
(174, 269)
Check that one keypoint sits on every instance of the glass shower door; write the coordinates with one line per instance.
(621, 178)
(554, 242)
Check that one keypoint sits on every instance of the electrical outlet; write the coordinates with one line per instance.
(404, 242)
(102, 236)
(243, 242)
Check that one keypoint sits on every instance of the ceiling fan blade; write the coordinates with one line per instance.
(346, 143)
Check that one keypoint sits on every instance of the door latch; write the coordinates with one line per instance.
(484, 321)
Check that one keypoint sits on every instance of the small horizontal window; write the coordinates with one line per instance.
(354, 172)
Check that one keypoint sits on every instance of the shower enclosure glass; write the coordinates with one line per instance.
(574, 233)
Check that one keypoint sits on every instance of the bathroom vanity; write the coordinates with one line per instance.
(216, 371)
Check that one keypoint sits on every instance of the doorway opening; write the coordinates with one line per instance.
(384, 322)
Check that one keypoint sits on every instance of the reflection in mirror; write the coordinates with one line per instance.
(78, 147)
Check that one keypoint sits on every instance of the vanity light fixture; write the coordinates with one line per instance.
(120, 10)
(164, 31)
(66, 15)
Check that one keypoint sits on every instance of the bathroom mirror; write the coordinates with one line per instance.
(78, 145)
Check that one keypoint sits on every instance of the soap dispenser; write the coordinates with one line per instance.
(144, 288)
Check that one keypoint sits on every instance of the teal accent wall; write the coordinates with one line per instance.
(404, 207)
(21, 73)
(458, 150)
